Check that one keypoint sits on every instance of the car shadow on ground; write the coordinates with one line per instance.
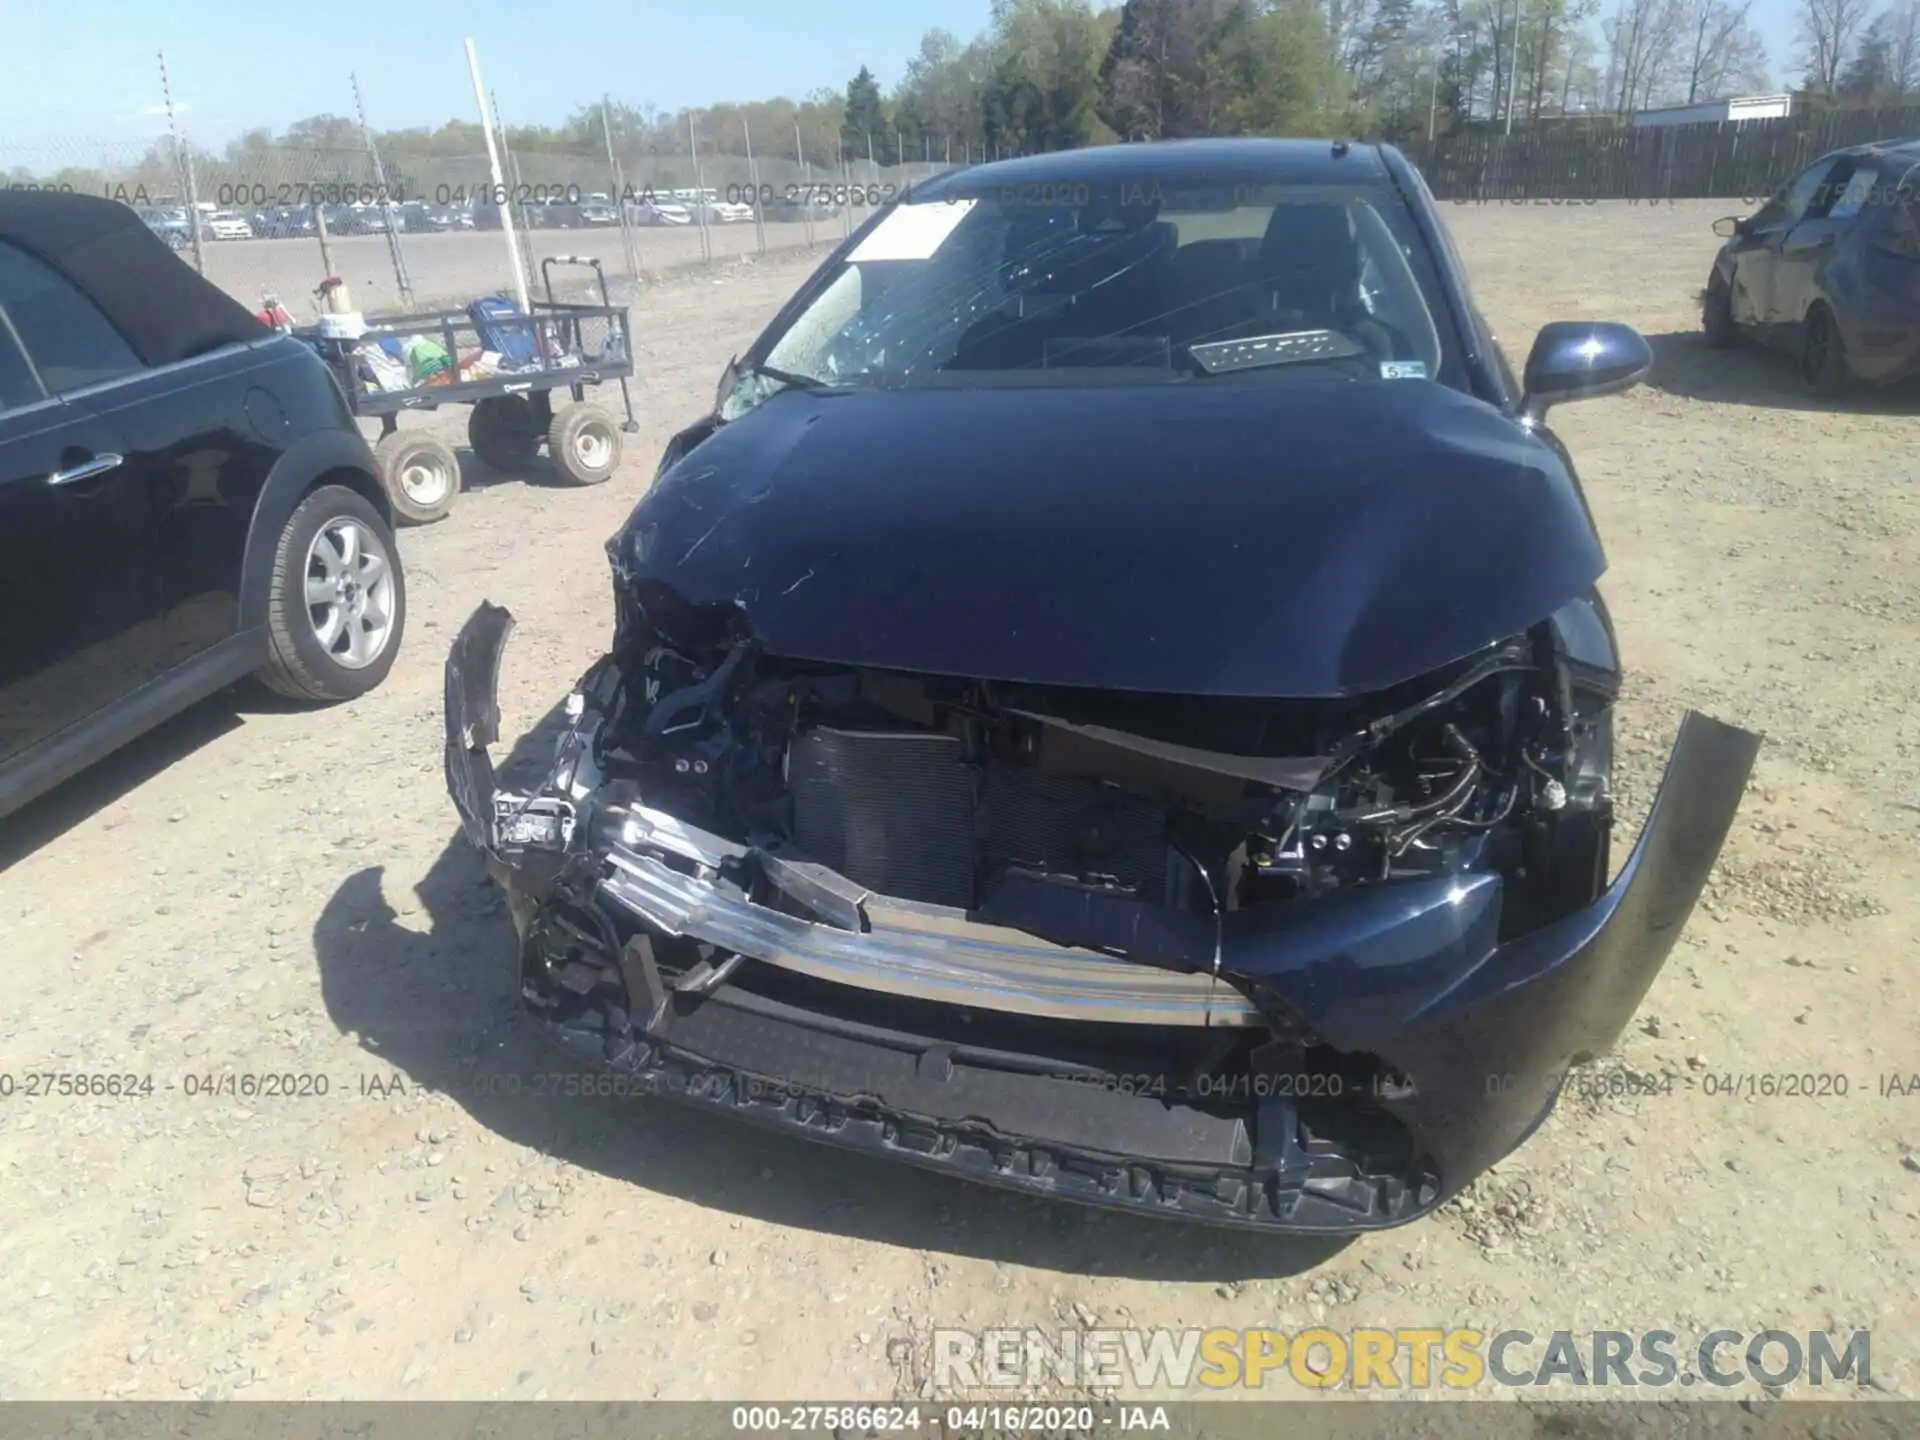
(427, 983)
(476, 474)
(1750, 374)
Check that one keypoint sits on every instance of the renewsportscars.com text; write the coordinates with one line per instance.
(1401, 1359)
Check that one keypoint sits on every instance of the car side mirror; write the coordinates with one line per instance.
(1580, 360)
(1728, 226)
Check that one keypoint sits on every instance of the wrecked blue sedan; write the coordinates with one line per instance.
(1112, 703)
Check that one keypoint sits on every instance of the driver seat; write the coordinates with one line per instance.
(1309, 266)
(1307, 273)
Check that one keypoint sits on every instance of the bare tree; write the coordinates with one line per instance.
(1903, 46)
(1827, 32)
(1643, 44)
(1722, 47)
(1579, 64)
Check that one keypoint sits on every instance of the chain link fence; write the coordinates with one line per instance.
(410, 227)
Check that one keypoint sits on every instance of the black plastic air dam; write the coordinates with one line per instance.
(772, 1065)
(1484, 1033)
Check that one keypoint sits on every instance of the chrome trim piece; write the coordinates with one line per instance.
(925, 952)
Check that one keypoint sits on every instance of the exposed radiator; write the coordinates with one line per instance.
(897, 812)
(891, 811)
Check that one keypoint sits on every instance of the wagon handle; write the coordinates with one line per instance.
(626, 330)
(546, 274)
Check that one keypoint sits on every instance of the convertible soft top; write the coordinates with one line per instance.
(166, 311)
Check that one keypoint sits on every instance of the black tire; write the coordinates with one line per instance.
(302, 667)
(1716, 315)
(1824, 371)
(420, 474)
(584, 443)
(504, 432)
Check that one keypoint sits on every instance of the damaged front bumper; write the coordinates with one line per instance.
(939, 1036)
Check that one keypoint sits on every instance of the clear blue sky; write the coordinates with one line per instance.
(88, 68)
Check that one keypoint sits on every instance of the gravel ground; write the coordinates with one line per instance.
(260, 889)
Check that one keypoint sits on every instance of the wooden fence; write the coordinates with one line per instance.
(1734, 159)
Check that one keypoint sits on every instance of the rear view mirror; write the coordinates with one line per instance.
(1728, 226)
(1579, 360)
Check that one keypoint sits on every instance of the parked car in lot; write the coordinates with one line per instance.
(717, 211)
(800, 207)
(1113, 701)
(554, 213)
(417, 217)
(285, 222)
(354, 219)
(1828, 270)
(598, 213)
(229, 225)
(171, 225)
(655, 210)
(184, 500)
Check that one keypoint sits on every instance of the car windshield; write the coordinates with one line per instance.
(1089, 284)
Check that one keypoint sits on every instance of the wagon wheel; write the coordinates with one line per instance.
(504, 432)
(585, 444)
(421, 475)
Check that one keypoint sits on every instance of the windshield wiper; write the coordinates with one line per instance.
(790, 378)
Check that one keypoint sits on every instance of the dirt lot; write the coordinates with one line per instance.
(265, 890)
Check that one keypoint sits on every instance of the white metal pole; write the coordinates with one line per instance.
(499, 183)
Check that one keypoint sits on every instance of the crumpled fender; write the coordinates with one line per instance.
(1488, 1049)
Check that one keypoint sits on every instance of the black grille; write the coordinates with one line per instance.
(893, 812)
(898, 813)
(1066, 825)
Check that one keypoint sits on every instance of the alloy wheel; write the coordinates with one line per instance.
(350, 593)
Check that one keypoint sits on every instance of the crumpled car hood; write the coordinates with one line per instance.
(1300, 538)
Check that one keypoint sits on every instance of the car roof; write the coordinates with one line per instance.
(1903, 151)
(1254, 161)
(164, 309)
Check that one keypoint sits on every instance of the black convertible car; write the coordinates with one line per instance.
(1112, 703)
(1828, 270)
(184, 498)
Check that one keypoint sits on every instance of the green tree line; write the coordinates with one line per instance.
(1054, 74)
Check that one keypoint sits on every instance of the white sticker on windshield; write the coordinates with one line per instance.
(1403, 370)
(912, 232)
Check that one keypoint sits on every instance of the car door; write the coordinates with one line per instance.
(1804, 253)
(200, 438)
(80, 598)
(1757, 252)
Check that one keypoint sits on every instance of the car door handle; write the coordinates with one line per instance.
(86, 469)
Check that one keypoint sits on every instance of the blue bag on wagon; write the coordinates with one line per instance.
(513, 342)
